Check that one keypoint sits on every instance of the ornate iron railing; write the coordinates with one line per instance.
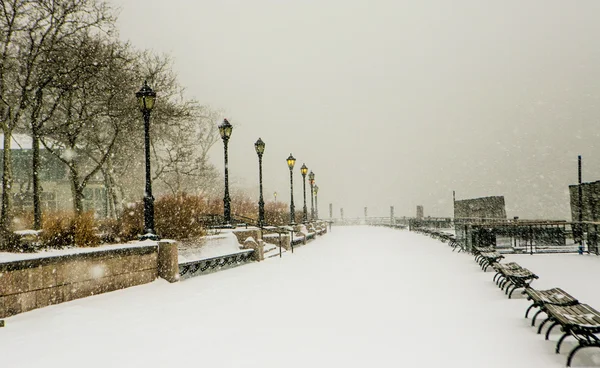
(207, 265)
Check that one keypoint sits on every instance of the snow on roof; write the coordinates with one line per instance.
(19, 141)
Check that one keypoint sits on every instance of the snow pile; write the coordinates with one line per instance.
(209, 246)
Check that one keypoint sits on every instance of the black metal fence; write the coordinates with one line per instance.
(517, 236)
(212, 264)
(520, 236)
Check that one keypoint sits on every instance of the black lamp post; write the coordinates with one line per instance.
(225, 129)
(291, 161)
(303, 171)
(260, 149)
(311, 180)
(316, 190)
(146, 98)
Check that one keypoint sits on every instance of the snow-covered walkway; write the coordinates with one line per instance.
(357, 297)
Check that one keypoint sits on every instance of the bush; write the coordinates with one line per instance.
(110, 230)
(132, 222)
(277, 213)
(178, 216)
(10, 242)
(175, 217)
(56, 231)
(62, 230)
(84, 230)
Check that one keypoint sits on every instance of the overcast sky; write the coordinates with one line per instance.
(394, 102)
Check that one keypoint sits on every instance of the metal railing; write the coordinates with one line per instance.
(212, 264)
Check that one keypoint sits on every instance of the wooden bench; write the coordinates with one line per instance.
(580, 321)
(451, 240)
(476, 251)
(516, 279)
(542, 298)
(487, 259)
(501, 269)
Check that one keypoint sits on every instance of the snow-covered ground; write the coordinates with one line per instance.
(357, 297)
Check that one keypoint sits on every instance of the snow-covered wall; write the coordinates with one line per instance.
(39, 282)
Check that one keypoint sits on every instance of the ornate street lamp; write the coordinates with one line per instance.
(225, 129)
(291, 161)
(146, 98)
(311, 180)
(316, 190)
(303, 171)
(260, 149)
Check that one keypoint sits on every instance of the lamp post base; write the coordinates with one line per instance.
(149, 236)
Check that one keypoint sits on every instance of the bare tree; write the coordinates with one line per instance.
(182, 154)
(31, 33)
(182, 133)
(92, 112)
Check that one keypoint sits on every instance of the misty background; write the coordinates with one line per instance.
(393, 102)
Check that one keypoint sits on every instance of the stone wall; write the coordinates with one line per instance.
(35, 283)
(274, 238)
(242, 235)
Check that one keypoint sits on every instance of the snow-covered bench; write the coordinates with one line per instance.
(580, 321)
(501, 269)
(487, 259)
(542, 298)
(516, 278)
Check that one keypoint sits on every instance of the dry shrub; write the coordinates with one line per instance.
(62, 230)
(84, 230)
(214, 205)
(178, 216)
(57, 231)
(277, 213)
(10, 242)
(132, 222)
(175, 217)
(243, 205)
(110, 230)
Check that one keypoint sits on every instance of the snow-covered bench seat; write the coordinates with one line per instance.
(542, 298)
(501, 269)
(476, 251)
(516, 278)
(487, 259)
(580, 321)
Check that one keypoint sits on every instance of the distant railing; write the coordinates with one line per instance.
(520, 236)
(370, 221)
